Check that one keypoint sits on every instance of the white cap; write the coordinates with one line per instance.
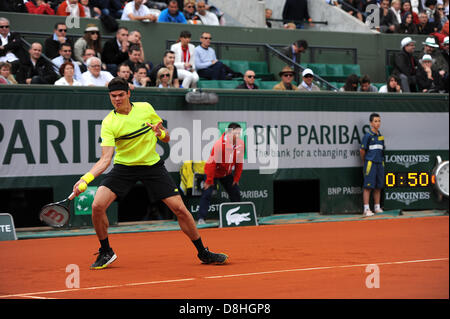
(407, 41)
(307, 71)
(427, 57)
(431, 42)
(445, 40)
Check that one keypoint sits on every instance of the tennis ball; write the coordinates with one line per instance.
(82, 187)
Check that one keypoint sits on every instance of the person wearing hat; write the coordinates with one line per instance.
(91, 39)
(307, 84)
(405, 65)
(428, 80)
(431, 47)
(287, 76)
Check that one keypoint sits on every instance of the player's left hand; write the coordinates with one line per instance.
(156, 128)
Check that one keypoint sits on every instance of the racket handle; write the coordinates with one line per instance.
(72, 196)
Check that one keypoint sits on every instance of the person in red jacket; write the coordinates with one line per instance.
(39, 7)
(227, 152)
(69, 7)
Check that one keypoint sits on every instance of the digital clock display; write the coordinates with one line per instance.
(409, 179)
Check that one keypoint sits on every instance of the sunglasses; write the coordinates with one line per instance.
(164, 75)
(440, 9)
(288, 74)
(62, 30)
(206, 38)
(250, 76)
(94, 32)
(308, 76)
(4, 26)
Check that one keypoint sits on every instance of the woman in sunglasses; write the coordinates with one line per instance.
(90, 40)
(163, 78)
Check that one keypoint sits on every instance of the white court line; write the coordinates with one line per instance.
(30, 294)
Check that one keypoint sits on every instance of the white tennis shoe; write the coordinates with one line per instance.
(368, 213)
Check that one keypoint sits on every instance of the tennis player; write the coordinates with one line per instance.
(131, 130)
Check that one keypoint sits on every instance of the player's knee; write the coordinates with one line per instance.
(180, 210)
(98, 208)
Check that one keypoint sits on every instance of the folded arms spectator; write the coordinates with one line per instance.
(36, 70)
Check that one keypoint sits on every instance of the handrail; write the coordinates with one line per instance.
(296, 65)
(298, 21)
(42, 54)
(341, 2)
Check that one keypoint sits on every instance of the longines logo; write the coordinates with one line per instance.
(407, 160)
(408, 198)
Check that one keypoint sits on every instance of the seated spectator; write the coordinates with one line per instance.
(172, 14)
(307, 84)
(71, 8)
(113, 8)
(39, 7)
(287, 76)
(163, 78)
(405, 65)
(189, 12)
(396, 8)
(351, 84)
(268, 13)
(424, 26)
(134, 58)
(295, 50)
(417, 6)
(125, 73)
(206, 62)
(207, 18)
(135, 37)
(440, 36)
(168, 63)
(428, 80)
(430, 47)
(249, 81)
(392, 86)
(36, 70)
(406, 7)
(141, 79)
(5, 74)
(185, 60)
(407, 26)
(94, 76)
(296, 11)
(351, 7)
(136, 11)
(365, 85)
(88, 53)
(445, 54)
(52, 43)
(388, 20)
(67, 71)
(65, 55)
(90, 9)
(11, 49)
(441, 16)
(115, 51)
(91, 39)
(430, 10)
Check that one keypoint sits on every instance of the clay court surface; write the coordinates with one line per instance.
(293, 261)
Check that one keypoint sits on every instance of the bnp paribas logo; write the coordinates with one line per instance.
(407, 160)
(407, 198)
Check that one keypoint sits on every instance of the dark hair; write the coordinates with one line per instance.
(168, 52)
(65, 44)
(63, 67)
(373, 115)
(121, 28)
(134, 47)
(351, 79)
(233, 126)
(364, 79)
(140, 66)
(302, 44)
(118, 83)
(185, 34)
(389, 89)
(123, 64)
(57, 24)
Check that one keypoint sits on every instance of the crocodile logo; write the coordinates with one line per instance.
(233, 217)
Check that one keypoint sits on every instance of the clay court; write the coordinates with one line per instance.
(290, 261)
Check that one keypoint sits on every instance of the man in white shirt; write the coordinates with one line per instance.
(136, 11)
(207, 18)
(94, 76)
(65, 54)
(185, 60)
(10, 44)
(307, 84)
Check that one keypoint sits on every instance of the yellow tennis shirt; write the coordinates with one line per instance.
(135, 142)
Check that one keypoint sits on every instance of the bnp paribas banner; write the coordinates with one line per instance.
(67, 142)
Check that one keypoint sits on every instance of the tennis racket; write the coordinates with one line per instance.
(57, 214)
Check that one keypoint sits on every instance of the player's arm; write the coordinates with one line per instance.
(362, 154)
(96, 170)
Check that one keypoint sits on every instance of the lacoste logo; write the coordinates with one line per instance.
(236, 218)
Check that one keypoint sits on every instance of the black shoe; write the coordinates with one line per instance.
(208, 257)
(104, 259)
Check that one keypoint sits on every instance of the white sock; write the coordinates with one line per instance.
(366, 207)
(377, 206)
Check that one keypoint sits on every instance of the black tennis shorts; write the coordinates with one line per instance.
(155, 178)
